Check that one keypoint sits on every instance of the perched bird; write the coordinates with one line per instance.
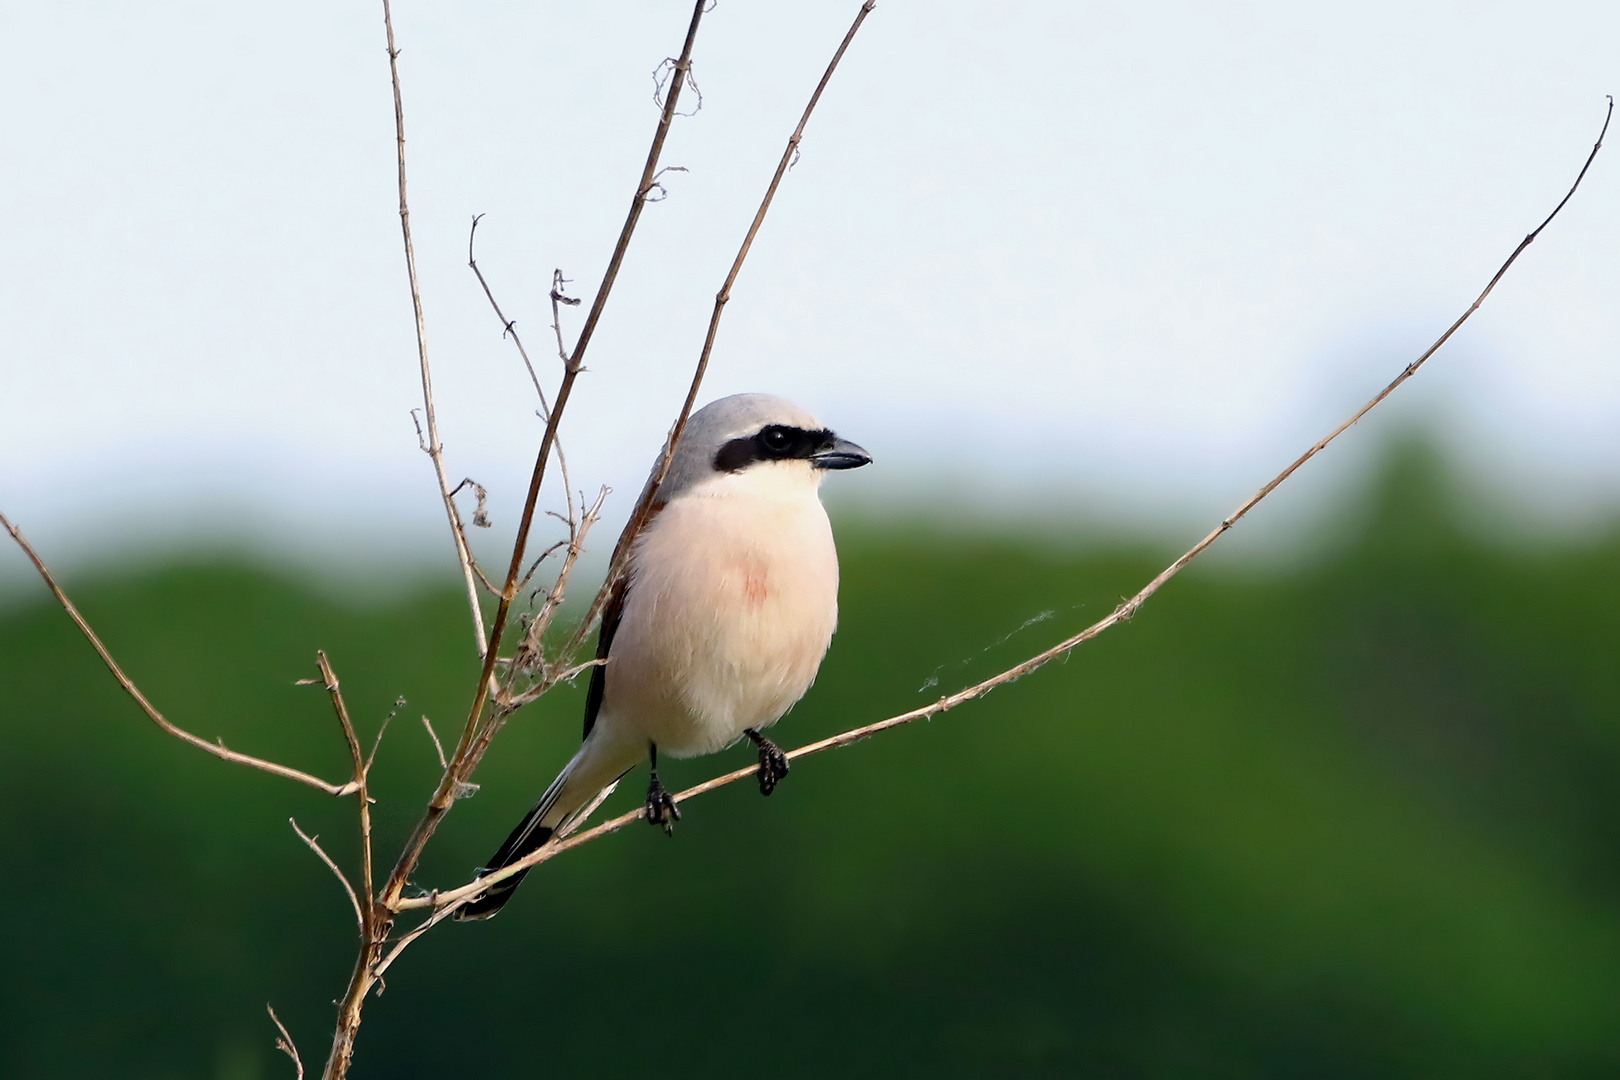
(728, 606)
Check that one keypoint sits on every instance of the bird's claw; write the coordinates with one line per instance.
(773, 765)
(661, 808)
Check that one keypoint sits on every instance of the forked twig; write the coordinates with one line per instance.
(442, 912)
(508, 326)
(284, 1042)
(218, 749)
(531, 650)
(509, 329)
(528, 575)
(335, 691)
(553, 602)
(329, 681)
(559, 296)
(445, 901)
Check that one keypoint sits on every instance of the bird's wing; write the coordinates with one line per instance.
(611, 614)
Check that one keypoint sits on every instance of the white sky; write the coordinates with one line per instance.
(1120, 259)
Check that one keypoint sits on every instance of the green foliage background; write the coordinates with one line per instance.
(1352, 819)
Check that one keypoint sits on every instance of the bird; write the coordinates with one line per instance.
(720, 624)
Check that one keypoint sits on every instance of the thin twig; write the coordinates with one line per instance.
(329, 681)
(376, 744)
(446, 901)
(554, 599)
(437, 745)
(320, 853)
(509, 328)
(441, 913)
(432, 900)
(400, 944)
(528, 575)
(435, 449)
(335, 690)
(377, 920)
(218, 749)
(559, 296)
(532, 645)
(284, 1042)
(553, 678)
(639, 517)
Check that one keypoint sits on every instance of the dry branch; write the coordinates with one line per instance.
(475, 731)
(508, 326)
(509, 329)
(284, 1042)
(435, 449)
(495, 699)
(578, 531)
(438, 746)
(453, 778)
(361, 767)
(446, 901)
(382, 729)
(218, 749)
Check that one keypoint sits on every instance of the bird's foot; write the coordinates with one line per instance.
(773, 764)
(661, 808)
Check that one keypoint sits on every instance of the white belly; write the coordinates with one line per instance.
(732, 603)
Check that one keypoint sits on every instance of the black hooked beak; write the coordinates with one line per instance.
(840, 454)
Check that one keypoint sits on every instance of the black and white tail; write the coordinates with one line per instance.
(591, 773)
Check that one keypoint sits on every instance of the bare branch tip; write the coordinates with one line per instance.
(284, 1041)
(437, 745)
(320, 853)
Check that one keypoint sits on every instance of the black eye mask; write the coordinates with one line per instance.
(774, 442)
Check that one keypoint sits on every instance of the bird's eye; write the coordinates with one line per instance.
(776, 440)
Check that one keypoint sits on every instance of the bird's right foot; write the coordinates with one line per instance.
(773, 764)
(661, 808)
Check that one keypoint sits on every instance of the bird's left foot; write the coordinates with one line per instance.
(661, 808)
(773, 764)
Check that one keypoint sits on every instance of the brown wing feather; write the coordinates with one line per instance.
(612, 612)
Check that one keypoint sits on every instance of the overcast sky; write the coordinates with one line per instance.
(1112, 259)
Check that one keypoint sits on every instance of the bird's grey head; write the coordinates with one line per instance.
(744, 431)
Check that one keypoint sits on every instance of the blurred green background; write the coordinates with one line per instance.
(1351, 817)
